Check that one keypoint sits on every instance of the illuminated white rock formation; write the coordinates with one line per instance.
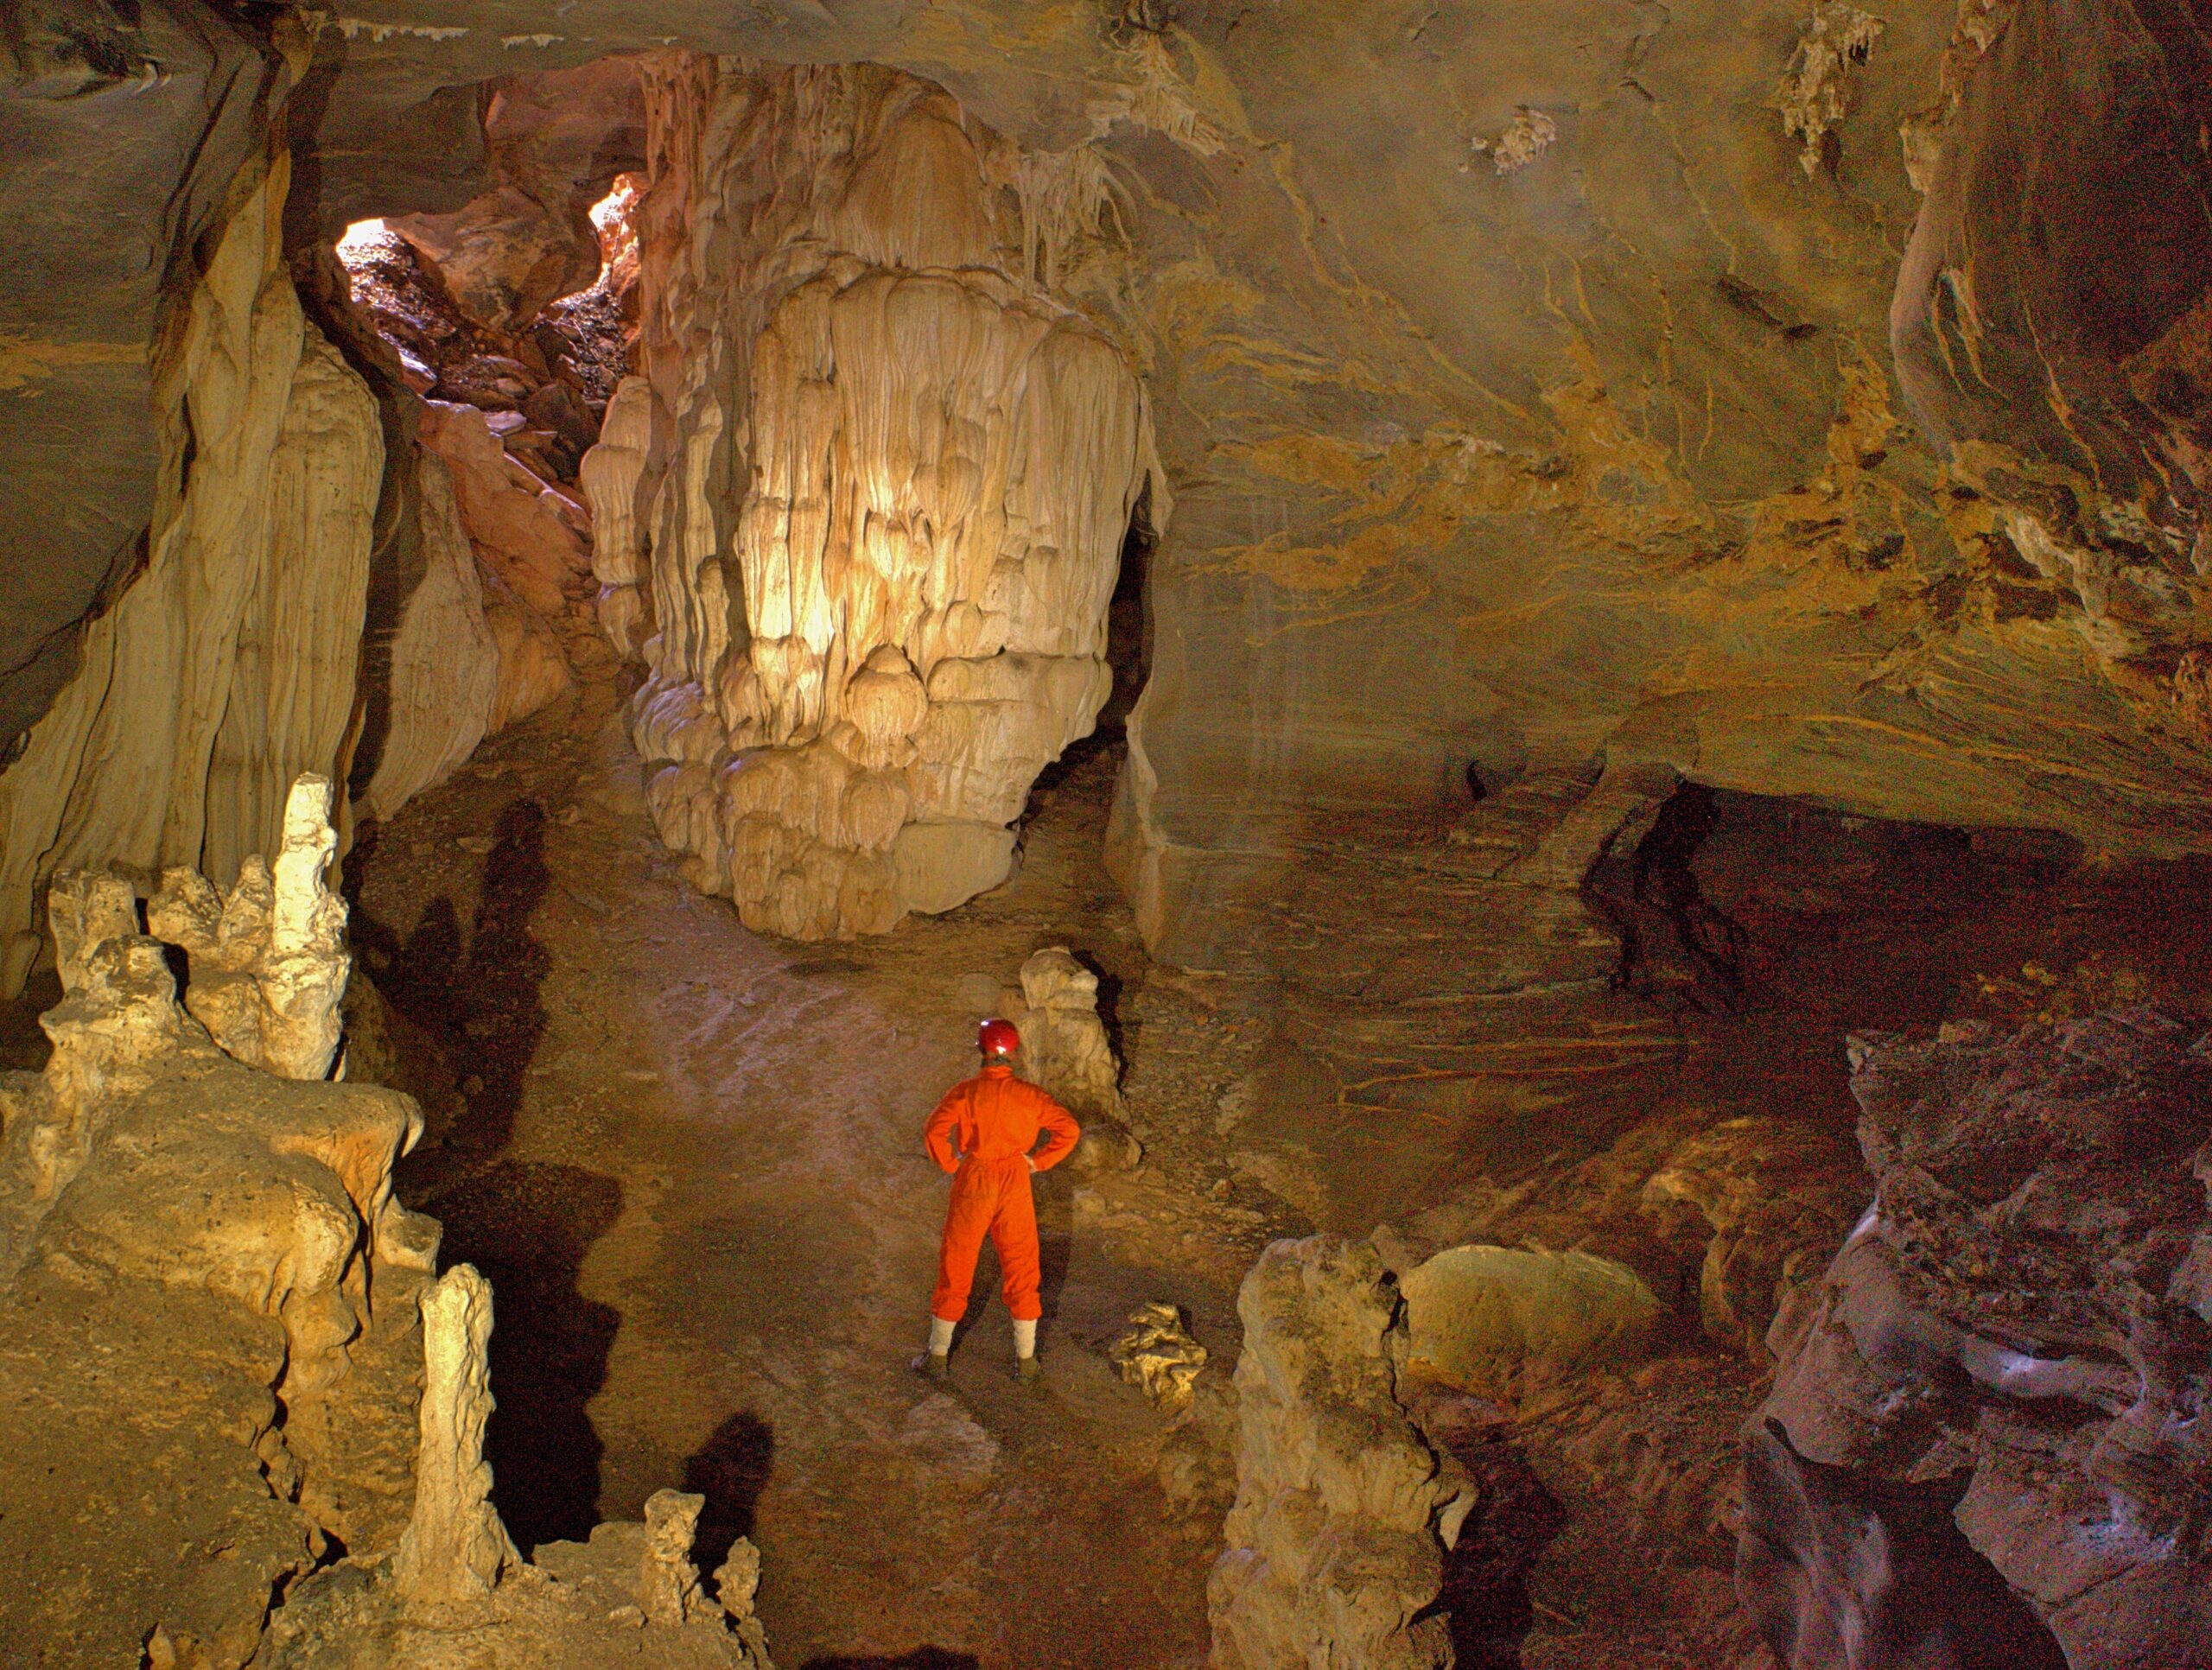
(268, 962)
(455, 1548)
(884, 526)
(455, 1594)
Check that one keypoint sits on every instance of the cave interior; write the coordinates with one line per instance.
(1556, 657)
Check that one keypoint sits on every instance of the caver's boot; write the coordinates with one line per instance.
(1030, 1373)
(932, 1363)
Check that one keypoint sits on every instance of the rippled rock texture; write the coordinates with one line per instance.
(1985, 1443)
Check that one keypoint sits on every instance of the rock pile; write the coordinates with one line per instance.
(1986, 1443)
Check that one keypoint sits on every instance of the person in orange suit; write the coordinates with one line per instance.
(984, 1132)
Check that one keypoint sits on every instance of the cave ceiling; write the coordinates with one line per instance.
(1523, 373)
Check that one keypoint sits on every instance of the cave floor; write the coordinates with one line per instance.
(688, 1158)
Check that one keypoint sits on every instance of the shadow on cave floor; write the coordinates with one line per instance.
(921, 1658)
(477, 995)
(730, 1471)
(528, 1226)
(689, 1158)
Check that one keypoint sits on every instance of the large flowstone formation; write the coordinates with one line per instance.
(869, 492)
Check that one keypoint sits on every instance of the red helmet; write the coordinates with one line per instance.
(997, 1038)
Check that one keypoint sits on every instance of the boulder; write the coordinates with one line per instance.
(1996, 1392)
(1474, 1312)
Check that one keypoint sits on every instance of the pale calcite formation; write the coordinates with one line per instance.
(269, 962)
(1065, 1050)
(205, 1294)
(1815, 95)
(872, 488)
(455, 1548)
(227, 666)
(456, 1594)
(143, 1149)
(667, 1582)
(1064, 1043)
(1344, 1512)
(611, 475)
(1159, 1357)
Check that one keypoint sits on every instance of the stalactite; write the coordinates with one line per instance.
(884, 478)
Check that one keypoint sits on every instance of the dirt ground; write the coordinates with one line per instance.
(689, 1159)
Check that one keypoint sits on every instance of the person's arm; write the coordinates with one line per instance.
(1061, 1133)
(942, 1132)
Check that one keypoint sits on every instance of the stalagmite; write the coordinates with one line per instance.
(1064, 1049)
(454, 1547)
(1064, 1044)
(1344, 1512)
(269, 960)
(668, 1584)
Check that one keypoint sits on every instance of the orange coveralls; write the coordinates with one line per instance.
(982, 1132)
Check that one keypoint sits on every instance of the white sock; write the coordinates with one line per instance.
(940, 1336)
(1025, 1338)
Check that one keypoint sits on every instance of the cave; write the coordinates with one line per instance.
(1535, 677)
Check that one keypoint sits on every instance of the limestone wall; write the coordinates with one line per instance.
(226, 668)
